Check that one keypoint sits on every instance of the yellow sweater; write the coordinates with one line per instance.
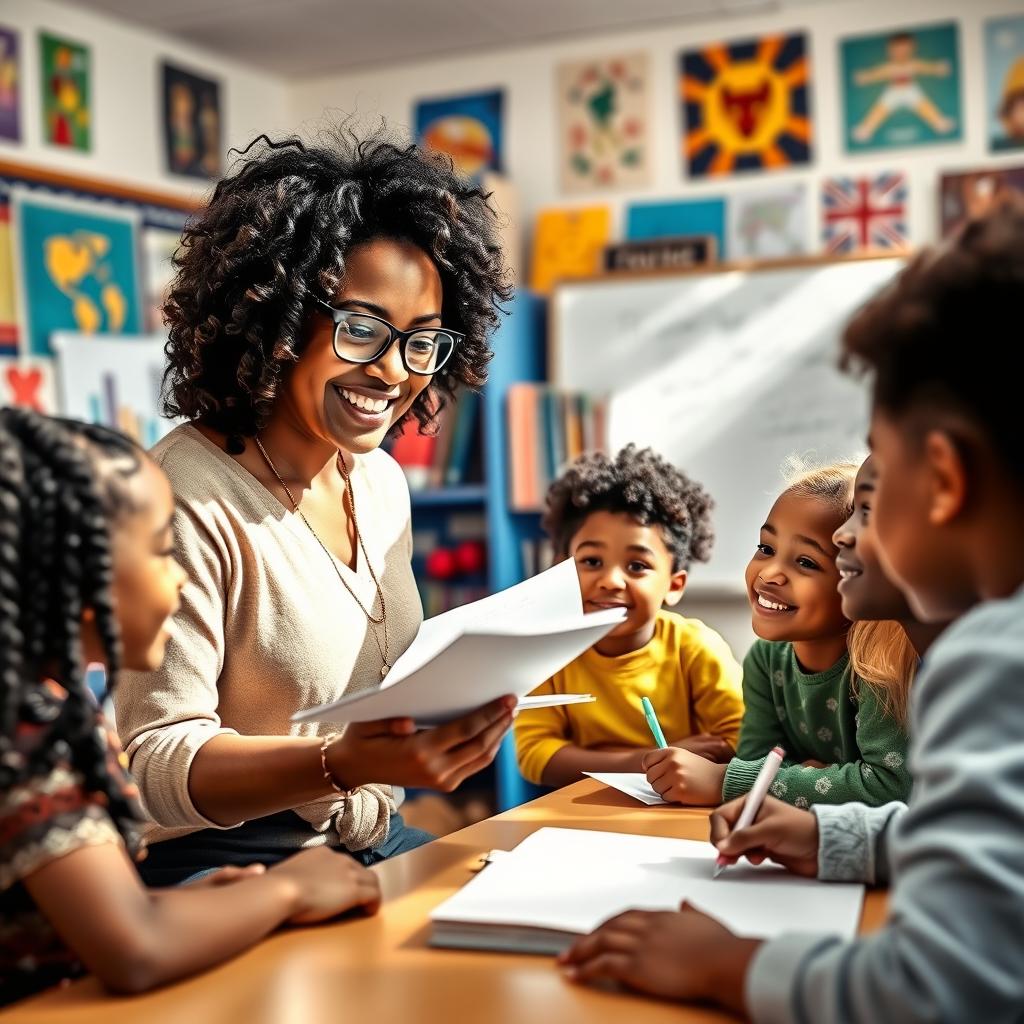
(687, 671)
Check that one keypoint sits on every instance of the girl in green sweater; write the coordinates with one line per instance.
(844, 741)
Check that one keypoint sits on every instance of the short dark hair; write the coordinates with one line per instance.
(275, 236)
(641, 484)
(946, 332)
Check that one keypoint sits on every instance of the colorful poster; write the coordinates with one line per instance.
(604, 123)
(746, 105)
(901, 88)
(29, 383)
(866, 214)
(10, 86)
(75, 267)
(1004, 70)
(769, 223)
(117, 382)
(676, 218)
(66, 92)
(192, 124)
(971, 194)
(8, 303)
(568, 244)
(468, 128)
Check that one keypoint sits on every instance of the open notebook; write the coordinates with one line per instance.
(562, 883)
(508, 643)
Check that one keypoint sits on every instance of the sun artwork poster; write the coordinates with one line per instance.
(468, 128)
(604, 123)
(746, 106)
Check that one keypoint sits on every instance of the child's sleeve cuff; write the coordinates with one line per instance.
(740, 777)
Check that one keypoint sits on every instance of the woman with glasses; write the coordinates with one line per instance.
(326, 294)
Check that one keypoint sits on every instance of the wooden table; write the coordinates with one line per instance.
(380, 970)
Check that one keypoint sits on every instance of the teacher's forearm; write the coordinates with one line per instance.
(236, 778)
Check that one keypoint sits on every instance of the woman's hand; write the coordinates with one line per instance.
(682, 777)
(675, 955)
(394, 751)
(327, 883)
(786, 834)
(708, 746)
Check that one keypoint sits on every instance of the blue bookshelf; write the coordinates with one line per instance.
(519, 355)
(441, 497)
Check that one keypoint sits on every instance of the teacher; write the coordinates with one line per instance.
(325, 295)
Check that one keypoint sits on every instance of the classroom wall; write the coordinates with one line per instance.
(527, 75)
(530, 129)
(128, 145)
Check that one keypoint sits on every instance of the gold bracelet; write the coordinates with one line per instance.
(328, 776)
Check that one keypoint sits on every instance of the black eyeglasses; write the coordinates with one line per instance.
(364, 338)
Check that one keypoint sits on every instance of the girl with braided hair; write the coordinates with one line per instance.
(327, 295)
(88, 574)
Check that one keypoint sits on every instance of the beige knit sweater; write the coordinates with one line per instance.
(265, 628)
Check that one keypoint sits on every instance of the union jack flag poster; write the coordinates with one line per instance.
(865, 214)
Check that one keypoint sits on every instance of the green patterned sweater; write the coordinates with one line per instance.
(816, 717)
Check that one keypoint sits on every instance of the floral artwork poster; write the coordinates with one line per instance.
(604, 123)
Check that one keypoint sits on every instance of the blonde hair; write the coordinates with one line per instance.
(832, 483)
(882, 655)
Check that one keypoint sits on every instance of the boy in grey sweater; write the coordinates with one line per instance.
(947, 365)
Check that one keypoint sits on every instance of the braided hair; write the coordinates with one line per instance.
(61, 484)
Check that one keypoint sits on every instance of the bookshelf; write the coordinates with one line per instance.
(445, 516)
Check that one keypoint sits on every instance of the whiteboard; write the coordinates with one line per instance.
(726, 373)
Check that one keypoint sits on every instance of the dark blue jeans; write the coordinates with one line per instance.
(256, 842)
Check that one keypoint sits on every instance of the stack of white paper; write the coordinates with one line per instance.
(633, 784)
(561, 883)
(508, 643)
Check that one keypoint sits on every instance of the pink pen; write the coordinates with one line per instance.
(765, 777)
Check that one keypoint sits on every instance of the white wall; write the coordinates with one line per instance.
(127, 102)
(528, 76)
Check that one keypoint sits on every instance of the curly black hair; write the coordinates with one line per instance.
(942, 335)
(61, 485)
(642, 484)
(275, 237)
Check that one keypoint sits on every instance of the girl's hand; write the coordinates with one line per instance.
(708, 746)
(786, 834)
(675, 955)
(327, 883)
(682, 777)
(227, 876)
(394, 751)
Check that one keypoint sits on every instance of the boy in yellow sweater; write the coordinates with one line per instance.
(633, 525)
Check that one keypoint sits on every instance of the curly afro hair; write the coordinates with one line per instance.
(642, 484)
(275, 236)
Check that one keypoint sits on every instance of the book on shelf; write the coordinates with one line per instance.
(448, 456)
(548, 428)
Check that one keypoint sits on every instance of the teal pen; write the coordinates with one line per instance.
(653, 723)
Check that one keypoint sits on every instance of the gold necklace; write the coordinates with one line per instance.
(383, 620)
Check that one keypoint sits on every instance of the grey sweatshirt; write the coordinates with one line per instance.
(952, 949)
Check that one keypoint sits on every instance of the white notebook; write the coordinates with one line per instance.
(508, 643)
(562, 883)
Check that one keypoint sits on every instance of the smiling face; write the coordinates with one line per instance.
(792, 578)
(867, 593)
(351, 406)
(147, 577)
(623, 564)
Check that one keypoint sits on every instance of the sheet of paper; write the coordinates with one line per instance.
(476, 668)
(633, 784)
(553, 594)
(554, 700)
(574, 879)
